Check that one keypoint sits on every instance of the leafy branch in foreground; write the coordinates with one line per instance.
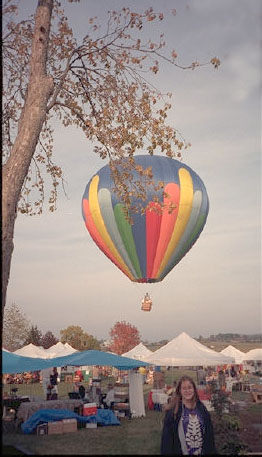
(99, 85)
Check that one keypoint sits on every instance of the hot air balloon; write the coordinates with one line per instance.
(146, 303)
(147, 249)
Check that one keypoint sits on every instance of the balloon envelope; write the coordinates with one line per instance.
(155, 242)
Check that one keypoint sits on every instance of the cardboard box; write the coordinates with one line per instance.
(69, 425)
(42, 429)
(89, 409)
(91, 425)
(55, 427)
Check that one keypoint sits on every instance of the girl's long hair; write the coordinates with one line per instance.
(176, 398)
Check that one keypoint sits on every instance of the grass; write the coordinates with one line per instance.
(138, 436)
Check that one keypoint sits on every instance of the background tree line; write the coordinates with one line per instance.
(257, 337)
(18, 331)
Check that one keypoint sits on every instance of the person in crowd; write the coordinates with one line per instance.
(233, 372)
(221, 379)
(201, 376)
(172, 389)
(187, 428)
(82, 391)
(109, 399)
(45, 375)
(96, 395)
(227, 372)
(35, 376)
(76, 386)
(150, 376)
(79, 375)
(52, 388)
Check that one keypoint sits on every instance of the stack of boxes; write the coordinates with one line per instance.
(67, 425)
(57, 427)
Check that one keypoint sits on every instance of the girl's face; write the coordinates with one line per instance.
(187, 391)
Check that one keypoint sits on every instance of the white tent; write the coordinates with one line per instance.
(139, 352)
(185, 351)
(231, 351)
(30, 350)
(70, 347)
(57, 350)
(254, 354)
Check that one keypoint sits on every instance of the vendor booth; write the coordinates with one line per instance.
(231, 351)
(183, 351)
(13, 363)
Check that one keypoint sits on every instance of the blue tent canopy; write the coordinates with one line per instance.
(13, 363)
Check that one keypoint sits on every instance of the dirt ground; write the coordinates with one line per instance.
(251, 434)
(250, 415)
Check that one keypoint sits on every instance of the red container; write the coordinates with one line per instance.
(89, 409)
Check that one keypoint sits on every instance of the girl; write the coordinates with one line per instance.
(187, 428)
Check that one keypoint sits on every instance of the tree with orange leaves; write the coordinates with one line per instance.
(124, 337)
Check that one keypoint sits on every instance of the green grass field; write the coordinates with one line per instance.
(138, 436)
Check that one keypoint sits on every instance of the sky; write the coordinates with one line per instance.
(59, 277)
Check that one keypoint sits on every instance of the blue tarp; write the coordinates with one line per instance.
(13, 363)
(103, 417)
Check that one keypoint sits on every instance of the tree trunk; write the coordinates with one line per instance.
(40, 87)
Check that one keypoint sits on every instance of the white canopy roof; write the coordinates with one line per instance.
(139, 352)
(254, 354)
(30, 350)
(231, 351)
(185, 351)
(57, 350)
(70, 347)
(58, 347)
